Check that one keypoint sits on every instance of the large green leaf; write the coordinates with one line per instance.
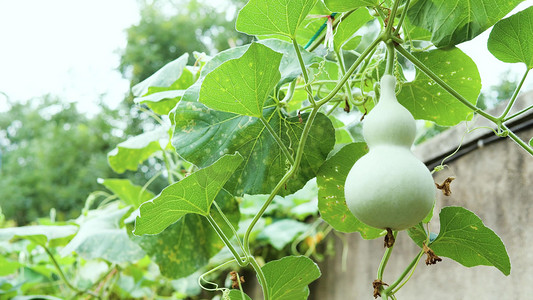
(100, 236)
(164, 77)
(193, 194)
(346, 5)
(128, 192)
(130, 153)
(510, 39)
(203, 135)
(331, 202)
(426, 100)
(187, 245)
(289, 277)
(40, 234)
(452, 22)
(242, 85)
(464, 238)
(266, 17)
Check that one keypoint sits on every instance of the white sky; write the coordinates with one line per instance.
(70, 48)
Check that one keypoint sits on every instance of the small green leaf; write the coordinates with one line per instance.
(510, 39)
(428, 101)
(288, 278)
(8, 266)
(161, 102)
(130, 153)
(237, 295)
(193, 194)
(349, 26)
(242, 85)
(464, 238)
(282, 232)
(39, 234)
(100, 236)
(128, 192)
(531, 142)
(187, 245)
(164, 77)
(418, 234)
(452, 22)
(346, 5)
(266, 17)
(331, 202)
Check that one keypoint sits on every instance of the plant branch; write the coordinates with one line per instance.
(518, 140)
(278, 140)
(385, 258)
(392, 16)
(261, 277)
(518, 113)
(405, 272)
(226, 241)
(304, 72)
(348, 86)
(443, 84)
(402, 17)
(513, 98)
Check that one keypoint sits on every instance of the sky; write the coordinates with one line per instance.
(71, 48)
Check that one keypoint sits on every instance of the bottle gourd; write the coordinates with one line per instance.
(389, 187)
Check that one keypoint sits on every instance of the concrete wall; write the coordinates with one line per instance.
(495, 181)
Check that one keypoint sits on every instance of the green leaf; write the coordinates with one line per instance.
(8, 266)
(452, 22)
(237, 295)
(331, 202)
(418, 234)
(464, 238)
(531, 142)
(415, 33)
(282, 232)
(164, 77)
(100, 236)
(346, 5)
(266, 17)
(161, 102)
(193, 194)
(510, 39)
(242, 85)
(428, 101)
(132, 152)
(203, 135)
(187, 245)
(349, 26)
(288, 278)
(38, 234)
(128, 192)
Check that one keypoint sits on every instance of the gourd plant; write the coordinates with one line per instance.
(265, 118)
(257, 122)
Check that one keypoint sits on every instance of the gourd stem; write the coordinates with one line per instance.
(226, 241)
(392, 16)
(402, 17)
(518, 140)
(350, 71)
(385, 258)
(518, 113)
(278, 140)
(418, 257)
(347, 86)
(389, 69)
(223, 215)
(304, 72)
(443, 84)
(261, 277)
(513, 98)
(405, 272)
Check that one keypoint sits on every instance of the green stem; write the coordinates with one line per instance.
(518, 140)
(226, 241)
(348, 86)
(405, 272)
(261, 277)
(513, 98)
(350, 71)
(62, 275)
(518, 113)
(392, 16)
(201, 277)
(304, 72)
(278, 140)
(389, 69)
(443, 84)
(402, 17)
(229, 225)
(290, 92)
(168, 167)
(385, 258)
(410, 274)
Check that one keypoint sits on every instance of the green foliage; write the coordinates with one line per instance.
(509, 39)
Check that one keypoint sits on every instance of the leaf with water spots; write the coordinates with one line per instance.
(288, 278)
(266, 17)
(242, 85)
(331, 202)
(428, 101)
(192, 195)
(464, 238)
(203, 135)
(187, 245)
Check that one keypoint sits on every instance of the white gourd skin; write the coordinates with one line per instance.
(389, 187)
